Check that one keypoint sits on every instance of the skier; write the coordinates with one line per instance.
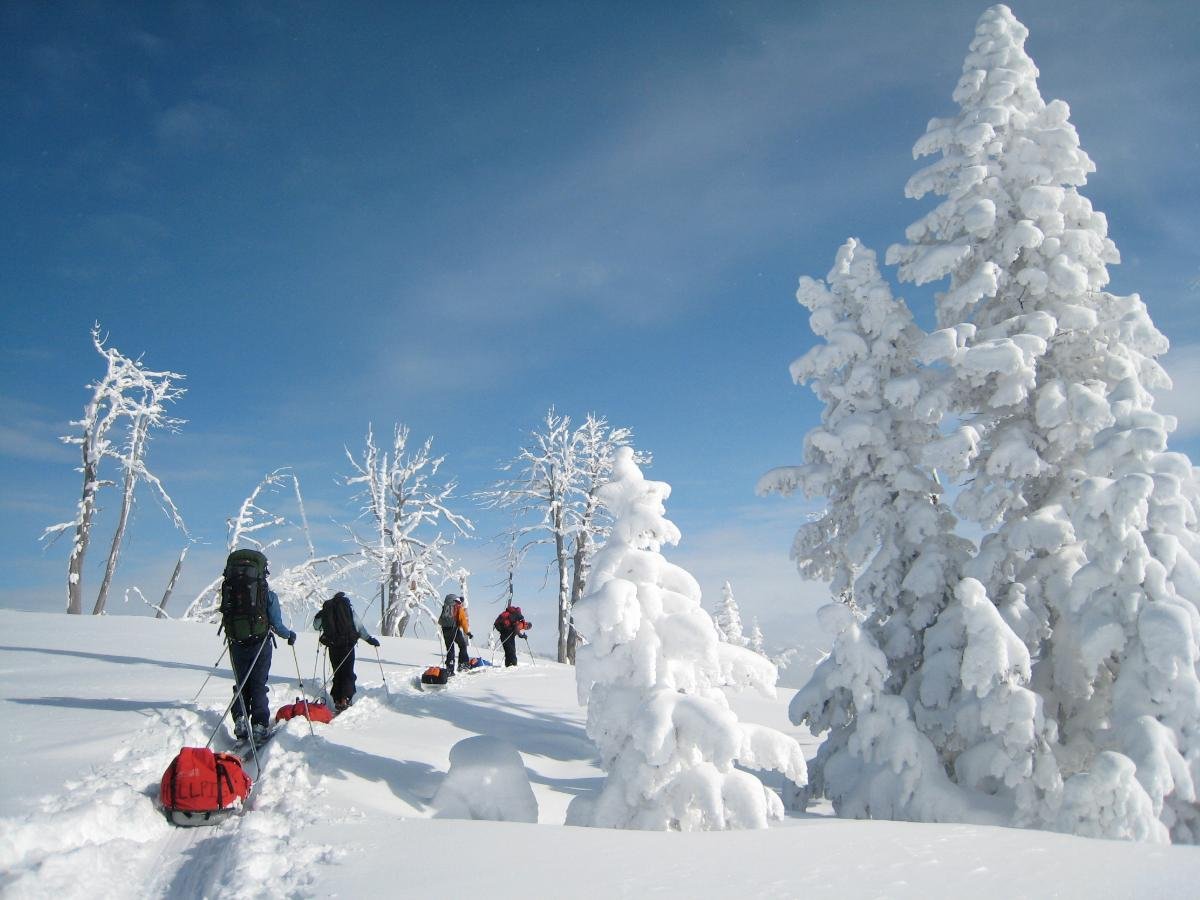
(456, 630)
(249, 615)
(511, 623)
(340, 630)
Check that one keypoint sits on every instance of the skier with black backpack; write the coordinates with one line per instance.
(249, 614)
(340, 630)
(511, 623)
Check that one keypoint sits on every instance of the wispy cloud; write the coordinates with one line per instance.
(29, 431)
(193, 125)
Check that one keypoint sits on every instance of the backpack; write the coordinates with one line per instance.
(434, 675)
(337, 622)
(201, 787)
(244, 597)
(508, 619)
(447, 619)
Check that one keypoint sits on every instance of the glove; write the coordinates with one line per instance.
(470, 637)
(291, 638)
(374, 642)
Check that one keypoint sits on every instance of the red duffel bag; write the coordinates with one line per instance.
(201, 787)
(315, 712)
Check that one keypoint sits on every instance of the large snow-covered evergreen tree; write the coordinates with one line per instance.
(1091, 525)
(1070, 648)
(651, 675)
(922, 681)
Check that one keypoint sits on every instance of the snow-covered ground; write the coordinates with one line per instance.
(95, 708)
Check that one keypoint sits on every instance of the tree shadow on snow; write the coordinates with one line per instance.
(146, 707)
(141, 660)
(533, 731)
(413, 782)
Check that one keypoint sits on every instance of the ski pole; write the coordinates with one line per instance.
(303, 693)
(211, 672)
(386, 692)
(237, 695)
(532, 658)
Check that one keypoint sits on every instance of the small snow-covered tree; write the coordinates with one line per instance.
(728, 618)
(128, 392)
(1091, 527)
(651, 676)
(595, 443)
(755, 641)
(407, 508)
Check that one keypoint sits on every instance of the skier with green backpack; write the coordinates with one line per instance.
(249, 614)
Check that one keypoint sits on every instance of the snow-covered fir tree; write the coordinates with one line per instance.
(756, 640)
(887, 544)
(1091, 540)
(728, 618)
(651, 673)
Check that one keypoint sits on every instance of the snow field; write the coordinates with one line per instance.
(97, 707)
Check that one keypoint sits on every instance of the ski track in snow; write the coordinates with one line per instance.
(110, 824)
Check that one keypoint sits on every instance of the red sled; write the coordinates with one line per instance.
(310, 709)
(201, 787)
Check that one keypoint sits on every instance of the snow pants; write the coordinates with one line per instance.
(455, 637)
(508, 640)
(342, 656)
(253, 699)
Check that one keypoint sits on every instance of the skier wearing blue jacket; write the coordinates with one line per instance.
(249, 615)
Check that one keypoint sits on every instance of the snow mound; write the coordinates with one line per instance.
(487, 780)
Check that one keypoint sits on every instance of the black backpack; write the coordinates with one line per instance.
(337, 622)
(244, 597)
(447, 619)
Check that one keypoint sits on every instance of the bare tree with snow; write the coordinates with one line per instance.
(138, 397)
(651, 675)
(408, 508)
(258, 524)
(545, 474)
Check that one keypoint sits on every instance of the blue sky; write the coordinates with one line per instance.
(453, 215)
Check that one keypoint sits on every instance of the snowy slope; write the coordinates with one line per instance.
(96, 708)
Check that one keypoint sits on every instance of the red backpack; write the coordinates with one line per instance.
(201, 787)
(508, 618)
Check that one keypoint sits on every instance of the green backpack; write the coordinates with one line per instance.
(244, 597)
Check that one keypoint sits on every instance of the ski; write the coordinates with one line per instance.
(246, 748)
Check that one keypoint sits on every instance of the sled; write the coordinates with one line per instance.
(201, 787)
(313, 710)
